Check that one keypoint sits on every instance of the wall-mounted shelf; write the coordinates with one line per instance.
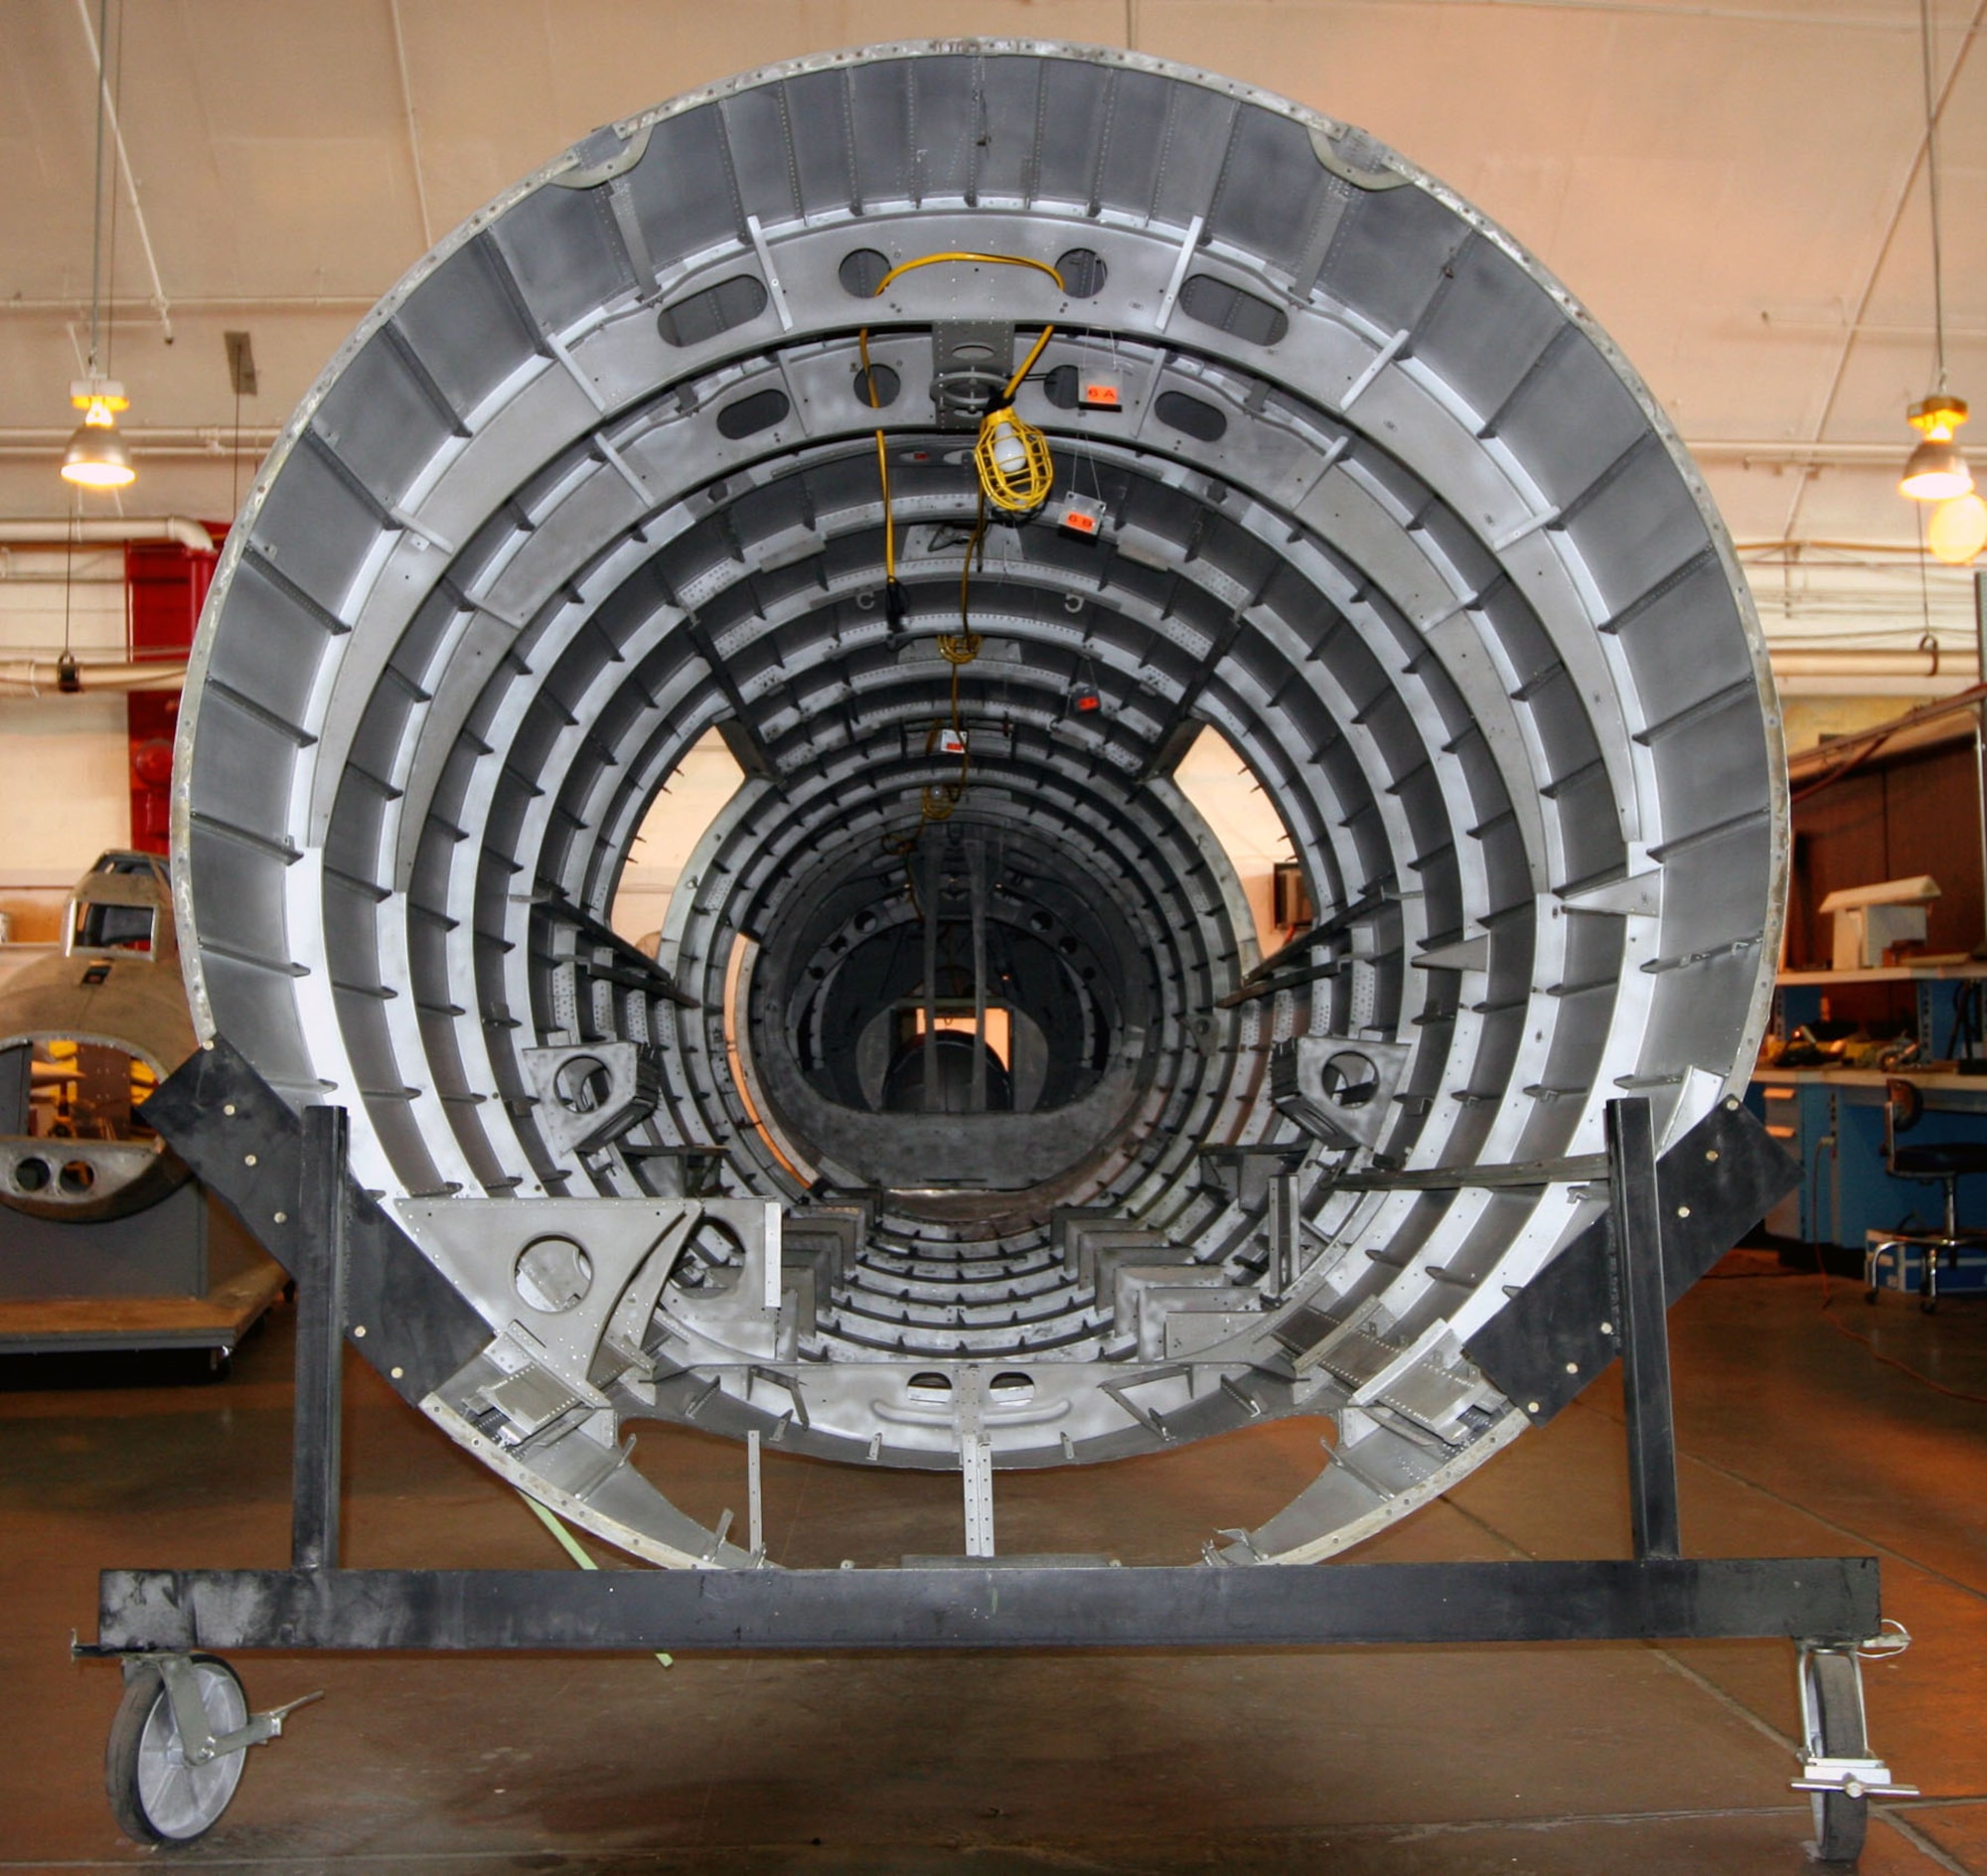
(1926, 971)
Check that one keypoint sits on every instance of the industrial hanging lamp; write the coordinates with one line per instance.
(1936, 470)
(96, 457)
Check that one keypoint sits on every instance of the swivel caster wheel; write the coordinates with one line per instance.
(1928, 1305)
(1833, 1704)
(155, 1795)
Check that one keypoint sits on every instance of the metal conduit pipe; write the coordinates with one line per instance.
(100, 531)
(42, 676)
(1963, 666)
(1338, 470)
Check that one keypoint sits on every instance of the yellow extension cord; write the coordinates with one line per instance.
(1015, 473)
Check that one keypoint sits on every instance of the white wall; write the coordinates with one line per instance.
(1216, 780)
(64, 769)
(705, 779)
(65, 761)
(65, 775)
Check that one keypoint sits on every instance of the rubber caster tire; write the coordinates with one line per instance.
(1835, 1702)
(1929, 1305)
(155, 1796)
(1870, 1296)
(1840, 1822)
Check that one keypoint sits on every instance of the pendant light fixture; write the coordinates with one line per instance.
(1936, 470)
(96, 457)
(1957, 530)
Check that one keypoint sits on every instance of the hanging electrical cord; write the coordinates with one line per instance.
(1016, 472)
(1932, 112)
(69, 676)
(1010, 456)
(962, 647)
(895, 607)
(958, 649)
(115, 86)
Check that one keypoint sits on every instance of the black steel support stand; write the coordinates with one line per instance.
(1656, 1593)
(1634, 1207)
(1827, 1605)
(322, 1229)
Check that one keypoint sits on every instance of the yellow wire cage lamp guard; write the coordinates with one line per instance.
(1013, 461)
(1011, 457)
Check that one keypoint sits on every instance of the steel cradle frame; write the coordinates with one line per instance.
(1608, 1292)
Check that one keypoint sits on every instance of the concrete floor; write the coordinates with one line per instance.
(1451, 1761)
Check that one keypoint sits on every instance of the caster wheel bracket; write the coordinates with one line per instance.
(1854, 1778)
(1839, 1772)
(197, 1741)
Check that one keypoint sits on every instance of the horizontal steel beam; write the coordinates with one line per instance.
(1821, 1599)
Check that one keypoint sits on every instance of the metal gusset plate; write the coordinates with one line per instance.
(243, 1143)
(1560, 1331)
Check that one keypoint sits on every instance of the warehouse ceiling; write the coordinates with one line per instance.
(1737, 192)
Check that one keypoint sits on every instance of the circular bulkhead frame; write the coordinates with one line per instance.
(1337, 469)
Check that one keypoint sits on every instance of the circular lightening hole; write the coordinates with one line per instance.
(554, 1275)
(76, 1178)
(1083, 272)
(861, 272)
(1351, 1079)
(877, 387)
(583, 1084)
(32, 1175)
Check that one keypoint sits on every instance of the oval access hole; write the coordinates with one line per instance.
(1215, 303)
(1191, 417)
(717, 309)
(749, 416)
